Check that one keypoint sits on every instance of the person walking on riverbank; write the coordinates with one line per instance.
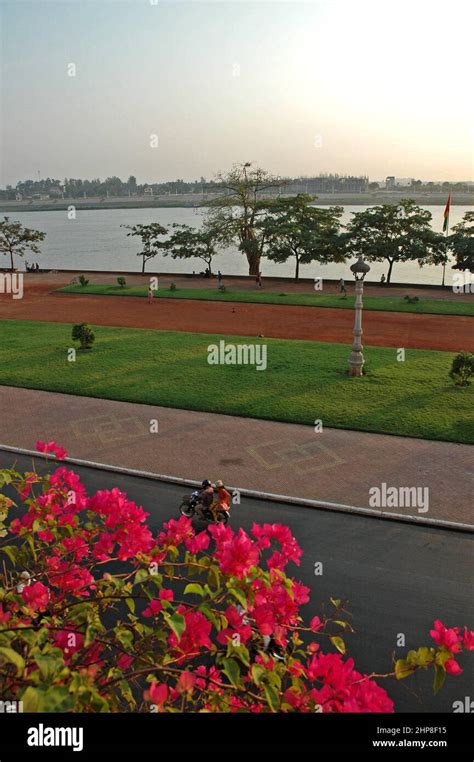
(342, 287)
(219, 279)
(150, 295)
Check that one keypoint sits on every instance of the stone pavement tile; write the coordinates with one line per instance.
(336, 465)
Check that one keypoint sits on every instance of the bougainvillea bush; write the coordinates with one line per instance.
(99, 614)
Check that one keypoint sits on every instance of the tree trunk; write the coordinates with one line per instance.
(389, 274)
(297, 271)
(11, 261)
(143, 264)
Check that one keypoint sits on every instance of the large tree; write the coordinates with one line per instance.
(150, 237)
(396, 233)
(188, 242)
(461, 243)
(295, 228)
(16, 239)
(237, 212)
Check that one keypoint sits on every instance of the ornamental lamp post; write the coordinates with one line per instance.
(356, 358)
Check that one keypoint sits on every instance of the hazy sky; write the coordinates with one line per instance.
(350, 86)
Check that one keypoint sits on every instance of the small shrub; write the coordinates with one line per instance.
(462, 368)
(173, 287)
(222, 288)
(83, 280)
(411, 299)
(83, 333)
(122, 282)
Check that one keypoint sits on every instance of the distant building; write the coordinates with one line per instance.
(390, 182)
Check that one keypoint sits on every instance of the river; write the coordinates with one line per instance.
(95, 240)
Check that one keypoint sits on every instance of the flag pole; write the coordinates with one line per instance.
(447, 209)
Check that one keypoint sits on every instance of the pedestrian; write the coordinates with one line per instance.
(258, 279)
(382, 280)
(342, 287)
(219, 279)
(150, 295)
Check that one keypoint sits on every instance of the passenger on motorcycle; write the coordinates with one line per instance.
(205, 498)
(222, 503)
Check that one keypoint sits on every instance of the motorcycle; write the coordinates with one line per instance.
(189, 505)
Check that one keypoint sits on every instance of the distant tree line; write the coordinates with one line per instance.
(255, 213)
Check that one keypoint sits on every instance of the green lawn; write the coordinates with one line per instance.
(304, 380)
(384, 303)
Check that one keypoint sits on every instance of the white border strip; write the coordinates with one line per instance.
(307, 502)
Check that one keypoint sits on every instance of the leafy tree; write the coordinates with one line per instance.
(16, 239)
(461, 243)
(237, 212)
(462, 368)
(396, 233)
(187, 242)
(99, 613)
(83, 333)
(149, 235)
(296, 229)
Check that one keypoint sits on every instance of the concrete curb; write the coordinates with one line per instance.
(255, 494)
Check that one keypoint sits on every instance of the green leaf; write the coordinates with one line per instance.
(14, 657)
(125, 637)
(240, 595)
(32, 699)
(271, 694)
(177, 623)
(131, 604)
(209, 614)
(11, 552)
(403, 669)
(49, 665)
(141, 576)
(194, 589)
(336, 602)
(257, 672)
(439, 678)
(232, 670)
(338, 643)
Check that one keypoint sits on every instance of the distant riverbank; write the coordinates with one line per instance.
(194, 199)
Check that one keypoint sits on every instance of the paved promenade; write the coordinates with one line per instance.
(337, 466)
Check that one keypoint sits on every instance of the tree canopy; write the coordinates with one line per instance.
(16, 239)
(295, 228)
(398, 232)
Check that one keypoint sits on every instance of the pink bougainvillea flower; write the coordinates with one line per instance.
(198, 542)
(452, 667)
(448, 637)
(154, 607)
(4, 615)
(166, 595)
(186, 682)
(36, 596)
(124, 661)
(237, 554)
(196, 633)
(52, 448)
(315, 624)
(468, 639)
(157, 694)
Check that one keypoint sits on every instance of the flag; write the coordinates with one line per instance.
(446, 214)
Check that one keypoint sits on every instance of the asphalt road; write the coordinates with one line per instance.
(396, 577)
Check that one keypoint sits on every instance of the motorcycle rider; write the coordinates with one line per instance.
(205, 497)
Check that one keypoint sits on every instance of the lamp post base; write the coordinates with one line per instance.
(356, 364)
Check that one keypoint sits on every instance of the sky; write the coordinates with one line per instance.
(166, 89)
